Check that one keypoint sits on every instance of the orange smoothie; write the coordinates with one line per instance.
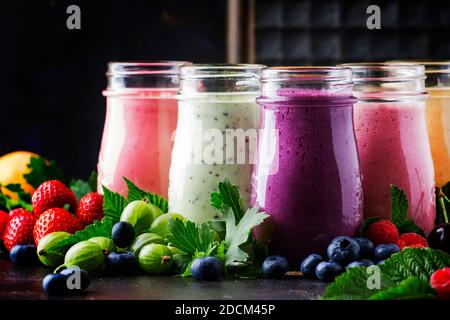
(438, 121)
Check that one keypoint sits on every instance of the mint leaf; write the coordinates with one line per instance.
(410, 288)
(23, 199)
(399, 212)
(113, 204)
(101, 228)
(92, 180)
(190, 238)
(135, 193)
(41, 171)
(366, 224)
(238, 234)
(228, 197)
(420, 263)
(352, 285)
(82, 187)
(405, 275)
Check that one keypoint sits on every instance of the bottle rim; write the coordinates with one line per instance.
(363, 72)
(307, 74)
(122, 68)
(431, 66)
(219, 70)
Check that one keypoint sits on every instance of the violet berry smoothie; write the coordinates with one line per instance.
(314, 192)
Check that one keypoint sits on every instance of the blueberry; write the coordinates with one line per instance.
(23, 255)
(343, 250)
(275, 267)
(122, 234)
(55, 284)
(384, 251)
(328, 270)
(366, 247)
(207, 268)
(124, 263)
(381, 262)
(360, 263)
(85, 278)
(309, 264)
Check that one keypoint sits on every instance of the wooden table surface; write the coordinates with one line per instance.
(25, 283)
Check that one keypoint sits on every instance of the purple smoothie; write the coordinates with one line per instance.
(316, 194)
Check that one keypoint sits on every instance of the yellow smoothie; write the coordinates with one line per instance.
(438, 118)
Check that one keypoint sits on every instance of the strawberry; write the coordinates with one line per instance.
(4, 219)
(412, 240)
(52, 194)
(440, 281)
(55, 219)
(383, 231)
(90, 208)
(19, 229)
(12, 213)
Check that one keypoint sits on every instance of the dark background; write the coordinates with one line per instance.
(52, 78)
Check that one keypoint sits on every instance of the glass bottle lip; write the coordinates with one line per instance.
(218, 71)
(307, 74)
(132, 77)
(170, 68)
(388, 82)
(431, 66)
(437, 75)
(386, 71)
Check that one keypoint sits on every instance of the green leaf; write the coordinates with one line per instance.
(228, 197)
(113, 204)
(82, 187)
(218, 226)
(399, 212)
(352, 285)
(135, 193)
(23, 198)
(396, 274)
(101, 228)
(92, 180)
(238, 234)
(420, 263)
(410, 288)
(366, 224)
(190, 238)
(41, 171)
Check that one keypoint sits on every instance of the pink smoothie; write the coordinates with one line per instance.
(394, 149)
(137, 139)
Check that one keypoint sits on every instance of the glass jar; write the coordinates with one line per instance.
(391, 133)
(307, 176)
(216, 136)
(438, 117)
(141, 118)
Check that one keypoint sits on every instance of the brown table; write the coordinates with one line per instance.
(25, 283)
